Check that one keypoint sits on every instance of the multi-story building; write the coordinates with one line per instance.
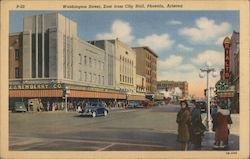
(15, 55)
(50, 57)
(140, 84)
(234, 52)
(125, 70)
(169, 85)
(146, 65)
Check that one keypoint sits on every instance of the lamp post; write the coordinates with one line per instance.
(207, 70)
(66, 92)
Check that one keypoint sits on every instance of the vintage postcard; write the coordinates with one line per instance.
(124, 79)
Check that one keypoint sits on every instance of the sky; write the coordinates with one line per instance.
(183, 40)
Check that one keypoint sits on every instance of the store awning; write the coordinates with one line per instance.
(59, 93)
(136, 97)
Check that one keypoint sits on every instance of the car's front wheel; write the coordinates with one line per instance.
(94, 114)
(105, 113)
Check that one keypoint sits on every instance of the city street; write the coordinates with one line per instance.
(152, 129)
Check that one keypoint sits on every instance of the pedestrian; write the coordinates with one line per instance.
(48, 105)
(197, 128)
(53, 106)
(222, 119)
(183, 120)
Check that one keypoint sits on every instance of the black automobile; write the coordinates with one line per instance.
(202, 105)
(94, 109)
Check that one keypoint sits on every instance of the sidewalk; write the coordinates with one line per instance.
(208, 140)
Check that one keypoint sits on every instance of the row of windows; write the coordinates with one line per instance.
(126, 79)
(148, 80)
(91, 62)
(93, 78)
(126, 70)
(126, 60)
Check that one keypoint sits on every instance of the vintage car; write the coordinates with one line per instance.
(19, 107)
(94, 109)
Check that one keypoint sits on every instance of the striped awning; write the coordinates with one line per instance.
(136, 97)
(59, 93)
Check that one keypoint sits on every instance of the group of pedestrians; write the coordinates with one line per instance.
(191, 129)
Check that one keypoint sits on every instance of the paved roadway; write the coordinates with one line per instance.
(152, 129)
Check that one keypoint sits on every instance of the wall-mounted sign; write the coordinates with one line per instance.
(223, 90)
(226, 44)
(35, 86)
(221, 85)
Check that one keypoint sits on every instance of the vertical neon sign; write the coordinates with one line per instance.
(226, 44)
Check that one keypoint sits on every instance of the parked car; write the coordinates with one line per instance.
(19, 107)
(94, 109)
(135, 104)
(202, 105)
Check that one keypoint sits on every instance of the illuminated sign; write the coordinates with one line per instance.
(226, 44)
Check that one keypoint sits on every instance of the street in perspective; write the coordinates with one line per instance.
(151, 129)
(134, 85)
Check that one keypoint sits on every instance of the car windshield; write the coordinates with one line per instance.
(94, 105)
(201, 103)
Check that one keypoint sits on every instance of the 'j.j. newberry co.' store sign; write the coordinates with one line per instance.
(58, 90)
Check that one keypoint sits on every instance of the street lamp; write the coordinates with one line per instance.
(207, 70)
(66, 92)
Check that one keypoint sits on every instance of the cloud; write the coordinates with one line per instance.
(184, 48)
(215, 57)
(205, 31)
(120, 29)
(175, 22)
(156, 42)
(172, 62)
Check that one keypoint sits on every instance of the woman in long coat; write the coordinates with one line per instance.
(183, 121)
(222, 120)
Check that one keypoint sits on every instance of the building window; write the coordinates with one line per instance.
(99, 79)
(80, 77)
(94, 80)
(17, 54)
(85, 76)
(90, 62)
(85, 60)
(103, 80)
(90, 77)
(46, 54)
(80, 62)
(95, 63)
(17, 72)
(33, 49)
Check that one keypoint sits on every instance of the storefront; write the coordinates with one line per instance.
(59, 92)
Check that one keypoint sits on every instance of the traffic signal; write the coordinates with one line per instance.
(205, 92)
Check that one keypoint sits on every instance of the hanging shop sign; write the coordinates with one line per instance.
(223, 90)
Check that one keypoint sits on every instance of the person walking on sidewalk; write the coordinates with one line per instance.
(183, 120)
(197, 129)
(222, 119)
